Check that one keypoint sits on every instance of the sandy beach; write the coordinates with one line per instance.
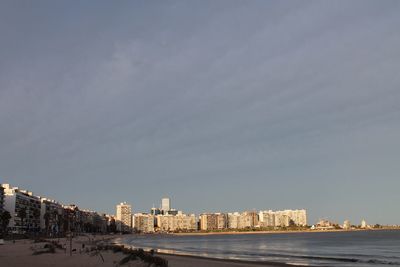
(20, 254)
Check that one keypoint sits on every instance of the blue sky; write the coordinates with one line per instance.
(221, 105)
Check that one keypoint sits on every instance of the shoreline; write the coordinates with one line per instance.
(236, 262)
(278, 232)
(19, 254)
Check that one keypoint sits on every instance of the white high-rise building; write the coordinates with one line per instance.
(23, 207)
(165, 205)
(124, 217)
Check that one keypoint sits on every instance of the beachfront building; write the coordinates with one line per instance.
(283, 218)
(92, 222)
(267, 218)
(124, 217)
(50, 214)
(24, 209)
(297, 217)
(179, 222)
(247, 220)
(1, 199)
(213, 221)
(208, 221)
(233, 220)
(143, 222)
(324, 224)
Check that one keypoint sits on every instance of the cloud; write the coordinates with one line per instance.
(273, 94)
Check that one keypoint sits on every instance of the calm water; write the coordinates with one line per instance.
(366, 248)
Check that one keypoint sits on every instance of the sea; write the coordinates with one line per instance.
(351, 248)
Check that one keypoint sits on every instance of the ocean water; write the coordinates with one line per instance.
(361, 248)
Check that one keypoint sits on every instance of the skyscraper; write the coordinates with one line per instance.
(165, 205)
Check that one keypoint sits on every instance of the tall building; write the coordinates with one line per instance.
(213, 221)
(144, 222)
(267, 218)
(1, 199)
(124, 217)
(233, 220)
(248, 219)
(179, 222)
(24, 209)
(283, 218)
(165, 205)
(50, 215)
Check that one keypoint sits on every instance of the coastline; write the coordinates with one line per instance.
(19, 254)
(277, 232)
(177, 260)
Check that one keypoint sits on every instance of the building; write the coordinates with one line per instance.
(1, 199)
(283, 218)
(267, 218)
(208, 221)
(324, 224)
(165, 205)
(174, 223)
(155, 211)
(346, 225)
(213, 221)
(233, 220)
(363, 224)
(24, 209)
(247, 220)
(172, 212)
(144, 222)
(124, 217)
(50, 214)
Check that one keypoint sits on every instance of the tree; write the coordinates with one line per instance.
(36, 216)
(22, 215)
(46, 218)
(5, 220)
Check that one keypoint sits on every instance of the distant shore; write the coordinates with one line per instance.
(280, 231)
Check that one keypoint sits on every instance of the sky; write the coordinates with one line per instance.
(220, 105)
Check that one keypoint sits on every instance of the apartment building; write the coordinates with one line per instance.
(144, 222)
(233, 220)
(24, 209)
(283, 218)
(179, 222)
(124, 217)
(1, 199)
(50, 215)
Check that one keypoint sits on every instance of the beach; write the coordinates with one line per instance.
(20, 254)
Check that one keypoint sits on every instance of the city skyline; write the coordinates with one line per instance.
(124, 212)
(228, 105)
